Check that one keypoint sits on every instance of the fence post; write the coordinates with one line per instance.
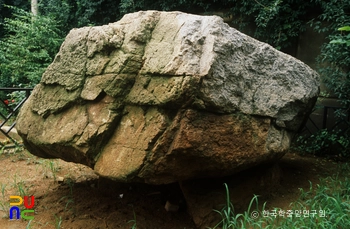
(11, 113)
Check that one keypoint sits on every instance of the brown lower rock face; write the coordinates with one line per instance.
(128, 148)
(193, 144)
(210, 145)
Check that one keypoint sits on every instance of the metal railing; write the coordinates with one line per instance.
(9, 112)
(327, 119)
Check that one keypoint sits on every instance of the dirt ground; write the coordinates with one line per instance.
(69, 195)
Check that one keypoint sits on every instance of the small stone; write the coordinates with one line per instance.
(169, 207)
(60, 179)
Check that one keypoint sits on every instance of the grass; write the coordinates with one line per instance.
(69, 198)
(58, 222)
(4, 206)
(325, 206)
(20, 186)
(49, 166)
(54, 169)
(133, 221)
(29, 225)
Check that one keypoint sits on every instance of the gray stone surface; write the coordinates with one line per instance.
(159, 97)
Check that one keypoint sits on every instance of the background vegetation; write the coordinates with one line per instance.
(324, 206)
(28, 44)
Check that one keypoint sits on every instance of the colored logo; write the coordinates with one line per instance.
(17, 213)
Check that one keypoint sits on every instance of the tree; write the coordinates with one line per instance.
(77, 13)
(28, 48)
(5, 12)
(34, 7)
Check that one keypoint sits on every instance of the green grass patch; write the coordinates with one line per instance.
(326, 205)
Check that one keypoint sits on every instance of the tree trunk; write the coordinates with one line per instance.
(34, 7)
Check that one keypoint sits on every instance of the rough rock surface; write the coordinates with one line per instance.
(159, 97)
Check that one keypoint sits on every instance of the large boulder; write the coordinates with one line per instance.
(159, 97)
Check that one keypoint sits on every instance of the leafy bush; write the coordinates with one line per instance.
(29, 47)
(334, 60)
(337, 74)
(334, 67)
(335, 143)
(277, 22)
(79, 13)
(128, 6)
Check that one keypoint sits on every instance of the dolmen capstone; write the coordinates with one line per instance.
(160, 97)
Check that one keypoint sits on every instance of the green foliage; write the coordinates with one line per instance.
(133, 221)
(78, 13)
(336, 74)
(128, 6)
(29, 47)
(15, 98)
(276, 22)
(67, 13)
(58, 222)
(335, 143)
(60, 11)
(343, 39)
(5, 12)
(12, 100)
(334, 63)
(232, 220)
(334, 60)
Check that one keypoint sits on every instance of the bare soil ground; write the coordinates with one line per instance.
(69, 195)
